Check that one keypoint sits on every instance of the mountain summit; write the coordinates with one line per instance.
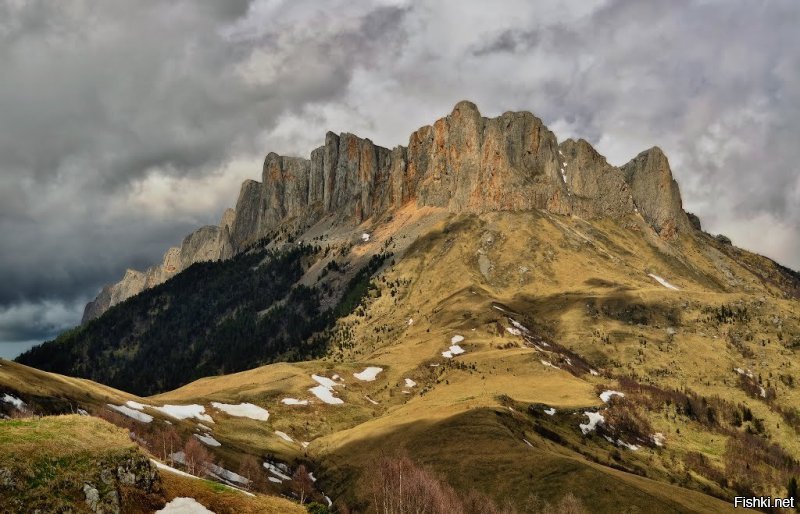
(464, 163)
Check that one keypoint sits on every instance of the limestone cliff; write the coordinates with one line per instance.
(207, 243)
(464, 162)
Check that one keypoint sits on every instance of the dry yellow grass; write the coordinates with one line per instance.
(222, 500)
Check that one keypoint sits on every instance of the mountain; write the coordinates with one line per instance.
(464, 163)
(505, 318)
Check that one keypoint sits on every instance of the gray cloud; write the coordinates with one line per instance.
(124, 125)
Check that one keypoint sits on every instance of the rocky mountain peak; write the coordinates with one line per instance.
(656, 193)
(463, 162)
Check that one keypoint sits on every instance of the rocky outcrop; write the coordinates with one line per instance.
(119, 481)
(464, 162)
(656, 193)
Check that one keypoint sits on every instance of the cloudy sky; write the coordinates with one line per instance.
(124, 125)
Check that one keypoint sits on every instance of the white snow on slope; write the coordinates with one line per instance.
(594, 419)
(208, 440)
(658, 439)
(284, 436)
(514, 331)
(518, 325)
(370, 400)
(326, 395)
(164, 467)
(294, 401)
(369, 374)
(131, 413)
(629, 446)
(183, 505)
(548, 364)
(185, 412)
(13, 400)
(550, 412)
(243, 410)
(456, 339)
(663, 282)
(227, 475)
(527, 442)
(410, 383)
(204, 428)
(323, 381)
(324, 391)
(606, 395)
(279, 470)
(453, 351)
(365, 237)
(135, 405)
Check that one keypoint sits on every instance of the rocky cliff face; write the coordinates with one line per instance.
(207, 243)
(464, 162)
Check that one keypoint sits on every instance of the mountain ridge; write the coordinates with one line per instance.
(463, 162)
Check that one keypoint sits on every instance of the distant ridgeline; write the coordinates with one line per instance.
(463, 162)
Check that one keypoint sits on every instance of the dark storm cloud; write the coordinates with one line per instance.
(123, 125)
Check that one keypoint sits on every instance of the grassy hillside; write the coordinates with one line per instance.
(495, 336)
(81, 464)
(215, 317)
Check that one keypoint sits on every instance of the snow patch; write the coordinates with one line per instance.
(227, 475)
(594, 372)
(208, 440)
(453, 351)
(550, 412)
(243, 410)
(527, 442)
(548, 363)
(456, 339)
(370, 400)
(631, 447)
(284, 436)
(13, 400)
(324, 391)
(186, 412)
(606, 395)
(205, 428)
(365, 237)
(658, 439)
(663, 282)
(594, 419)
(279, 470)
(410, 383)
(185, 506)
(294, 401)
(410, 321)
(323, 381)
(369, 374)
(131, 413)
(514, 331)
(82, 412)
(275, 480)
(164, 467)
(135, 405)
